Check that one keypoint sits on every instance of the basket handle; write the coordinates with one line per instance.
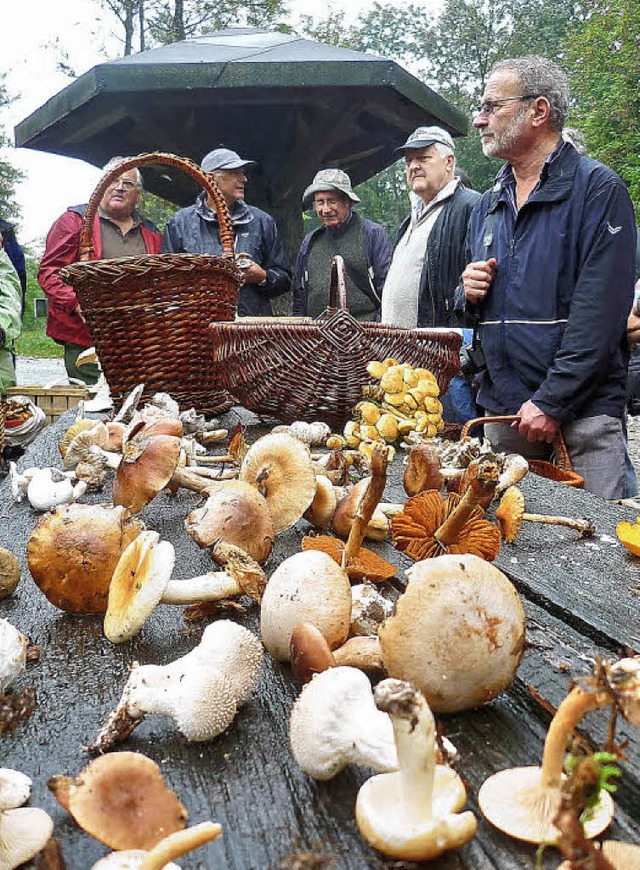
(189, 166)
(563, 460)
(338, 286)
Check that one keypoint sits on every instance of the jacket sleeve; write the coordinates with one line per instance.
(10, 300)
(62, 249)
(300, 296)
(16, 255)
(275, 262)
(171, 241)
(600, 304)
(378, 251)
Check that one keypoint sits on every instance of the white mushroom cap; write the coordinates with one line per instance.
(306, 587)
(335, 722)
(15, 788)
(131, 859)
(23, 833)
(13, 654)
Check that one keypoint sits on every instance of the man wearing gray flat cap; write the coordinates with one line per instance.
(194, 230)
(363, 245)
(429, 252)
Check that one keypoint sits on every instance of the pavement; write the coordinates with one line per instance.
(37, 371)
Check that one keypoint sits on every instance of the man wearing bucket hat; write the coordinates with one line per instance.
(429, 253)
(363, 245)
(194, 230)
(119, 230)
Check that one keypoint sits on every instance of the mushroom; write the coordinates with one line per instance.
(73, 551)
(457, 633)
(121, 800)
(514, 468)
(279, 467)
(523, 801)
(306, 587)
(9, 573)
(142, 579)
(321, 510)
(49, 488)
(149, 464)
(76, 427)
(168, 848)
(201, 692)
(15, 788)
(423, 470)
(311, 654)
(87, 442)
(511, 513)
(413, 814)
(369, 609)
(334, 722)
(365, 565)
(13, 654)
(24, 832)
(236, 513)
(346, 511)
(309, 433)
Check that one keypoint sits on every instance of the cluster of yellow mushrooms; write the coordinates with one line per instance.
(452, 641)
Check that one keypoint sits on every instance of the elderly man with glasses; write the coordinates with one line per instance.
(118, 231)
(551, 261)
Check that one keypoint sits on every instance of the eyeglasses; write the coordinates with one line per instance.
(123, 182)
(489, 106)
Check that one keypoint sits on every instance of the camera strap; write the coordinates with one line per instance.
(487, 240)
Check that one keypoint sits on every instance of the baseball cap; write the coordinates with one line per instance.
(329, 179)
(224, 158)
(424, 136)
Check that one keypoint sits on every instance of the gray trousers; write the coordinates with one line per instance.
(596, 445)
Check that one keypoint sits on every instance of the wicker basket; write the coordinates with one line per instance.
(560, 470)
(314, 369)
(149, 315)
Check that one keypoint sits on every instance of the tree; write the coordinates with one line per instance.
(9, 175)
(603, 56)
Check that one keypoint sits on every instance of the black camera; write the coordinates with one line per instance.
(472, 361)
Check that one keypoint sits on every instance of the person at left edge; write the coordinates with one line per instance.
(16, 255)
(118, 231)
(194, 230)
(10, 320)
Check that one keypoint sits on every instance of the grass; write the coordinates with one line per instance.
(33, 340)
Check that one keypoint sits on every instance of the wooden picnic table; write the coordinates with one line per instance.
(581, 599)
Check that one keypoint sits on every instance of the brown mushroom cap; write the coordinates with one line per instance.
(423, 470)
(122, 801)
(413, 529)
(148, 462)
(73, 551)
(280, 468)
(347, 508)
(509, 513)
(236, 513)
(73, 430)
(9, 573)
(457, 633)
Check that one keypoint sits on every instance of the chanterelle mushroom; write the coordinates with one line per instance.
(511, 514)
(457, 633)
(523, 801)
(414, 814)
(201, 691)
(121, 799)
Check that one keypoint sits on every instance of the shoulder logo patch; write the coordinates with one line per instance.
(613, 230)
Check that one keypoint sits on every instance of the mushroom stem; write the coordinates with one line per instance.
(210, 460)
(586, 527)
(361, 652)
(368, 503)
(390, 509)
(482, 484)
(179, 844)
(188, 480)
(212, 586)
(574, 707)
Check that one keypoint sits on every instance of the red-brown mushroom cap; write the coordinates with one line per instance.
(422, 471)
(121, 800)
(148, 463)
(365, 565)
(509, 513)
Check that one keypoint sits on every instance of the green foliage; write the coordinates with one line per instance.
(603, 56)
(9, 175)
(173, 20)
(156, 209)
(33, 340)
(385, 198)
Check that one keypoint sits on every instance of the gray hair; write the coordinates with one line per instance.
(542, 77)
(443, 150)
(114, 162)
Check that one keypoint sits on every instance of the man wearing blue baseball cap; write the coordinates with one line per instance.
(195, 230)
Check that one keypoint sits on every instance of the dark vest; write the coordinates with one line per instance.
(348, 241)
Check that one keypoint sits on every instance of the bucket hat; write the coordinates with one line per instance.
(329, 179)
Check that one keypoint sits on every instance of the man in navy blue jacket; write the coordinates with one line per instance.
(551, 252)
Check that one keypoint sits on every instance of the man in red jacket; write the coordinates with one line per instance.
(118, 231)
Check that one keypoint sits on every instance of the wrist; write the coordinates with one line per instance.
(264, 281)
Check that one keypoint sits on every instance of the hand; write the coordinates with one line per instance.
(477, 279)
(254, 274)
(77, 310)
(633, 328)
(535, 425)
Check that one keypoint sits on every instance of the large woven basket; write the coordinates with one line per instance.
(303, 369)
(560, 469)
(149, 315)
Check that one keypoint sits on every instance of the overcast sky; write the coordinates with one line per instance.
(32, 39)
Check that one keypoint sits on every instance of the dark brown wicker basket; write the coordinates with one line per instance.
(560, 470)
(149, 315)
(303, 369)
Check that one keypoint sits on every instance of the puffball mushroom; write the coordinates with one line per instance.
(279, 467)
(335, 722)
(413, 814)
(457, 633)
(522, 802)
(170, 847)
(237, 513)
(121, 799)
(306, 587)
(9, 573)
(201, 691)
(13, 654)
(73, 551)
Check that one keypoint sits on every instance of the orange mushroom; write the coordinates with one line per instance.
(511, 514)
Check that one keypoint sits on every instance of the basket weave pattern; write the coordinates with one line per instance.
(149, 315)
(315, 370)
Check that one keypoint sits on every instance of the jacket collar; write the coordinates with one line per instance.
(556, 178)
(240, 211)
